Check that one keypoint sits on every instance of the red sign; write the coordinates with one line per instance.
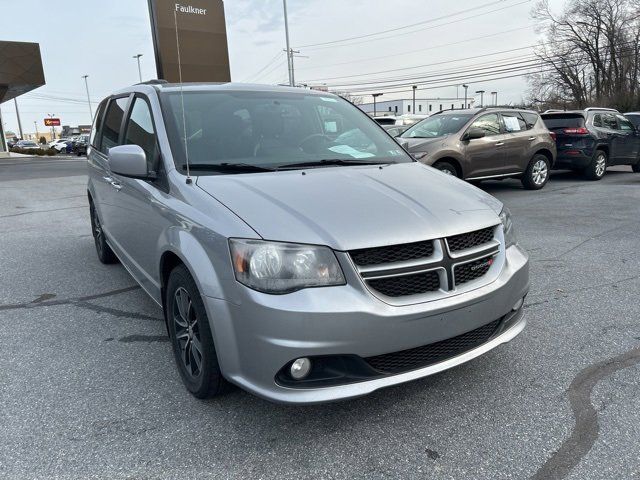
(51, 122)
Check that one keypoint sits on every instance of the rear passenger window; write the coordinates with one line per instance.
(140, 131)
(513, 122)
(112, 124)
(609, 121)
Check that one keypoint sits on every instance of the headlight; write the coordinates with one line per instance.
(509, 231)
(419, 155)
(275, 267)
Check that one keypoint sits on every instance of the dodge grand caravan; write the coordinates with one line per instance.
(296, 250)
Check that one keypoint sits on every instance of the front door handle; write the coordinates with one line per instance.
(531, 139)
(499, 144)
(116, 185)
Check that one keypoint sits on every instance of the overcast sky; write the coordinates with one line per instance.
(98, 38)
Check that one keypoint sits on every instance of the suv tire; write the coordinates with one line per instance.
(636, 167)
(597, 167)
(190, 335)
(105, 254)
(536, 175)
(446, 167)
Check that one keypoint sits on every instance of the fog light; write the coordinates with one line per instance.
(518, 305)
(300, 368)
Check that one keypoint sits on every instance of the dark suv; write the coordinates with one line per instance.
(593, 139)
(478, 144)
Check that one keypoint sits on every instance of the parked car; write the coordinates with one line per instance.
(394, 130)
(634, 118)
(403, 120)
(27, 145)
(292, 257)
(593, 139)
(62, 146)
(80, 145)
(11, 142)
(485, 143)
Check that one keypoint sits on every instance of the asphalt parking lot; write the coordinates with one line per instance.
(88, 388)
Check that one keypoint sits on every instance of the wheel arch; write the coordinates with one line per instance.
(547, 153)
(453, 161)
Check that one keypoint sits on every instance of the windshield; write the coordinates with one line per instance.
(272, 130)
(437, 126)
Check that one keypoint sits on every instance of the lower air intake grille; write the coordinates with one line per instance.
(426, 355)
(470, 271)
(407, 284)
(470, 240)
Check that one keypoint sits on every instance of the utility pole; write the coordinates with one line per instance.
(137, 57)
(481, 92)
(466, 87)
(53, 129)
(18, 117)
(415, 87)
(35, 124)
(292, 80)
(494, 95)
(375, 95)
(86, 84)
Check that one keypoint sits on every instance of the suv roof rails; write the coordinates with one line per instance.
(155, 81)
(553, 110)
(590, 109)
(479, 110)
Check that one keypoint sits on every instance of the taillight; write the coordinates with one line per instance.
(576, 131)
(554, 137)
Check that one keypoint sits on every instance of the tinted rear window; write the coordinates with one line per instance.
(563, 121)
(386, 121)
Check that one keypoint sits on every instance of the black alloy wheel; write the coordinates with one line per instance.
(105, 254)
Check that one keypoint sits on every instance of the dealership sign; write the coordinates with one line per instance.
(198, 28)
(51, 122)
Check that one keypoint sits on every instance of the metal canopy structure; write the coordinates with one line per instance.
(20, 72)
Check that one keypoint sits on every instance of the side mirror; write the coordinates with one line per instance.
(404, 143)
(474, 133)
(129, 161)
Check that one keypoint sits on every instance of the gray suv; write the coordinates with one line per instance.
(296, 250)
(485, 143)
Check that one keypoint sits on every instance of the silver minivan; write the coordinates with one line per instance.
(296, 249)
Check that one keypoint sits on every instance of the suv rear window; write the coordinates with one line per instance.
(565, 120)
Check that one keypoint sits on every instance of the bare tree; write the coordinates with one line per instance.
(590, 54)
(356, 100)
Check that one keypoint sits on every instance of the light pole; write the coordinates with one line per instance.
(35, 124)
(415, 87)
(86, 84)
(375, 95)
(53, 129)
(495, 98)
(481, 92)
(466, 87)
(292, 81)
(18, 117)
(137, 57)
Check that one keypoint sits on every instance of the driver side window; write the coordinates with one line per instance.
(489, 123)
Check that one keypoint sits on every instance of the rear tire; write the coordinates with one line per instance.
(636, 167)
(598, 166)
(536, 175)
(446, 167)
(105, 254)
(191, 338)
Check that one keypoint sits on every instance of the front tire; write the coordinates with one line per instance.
(536, 175)
(446, 167)
(597, 167)
(636, 167)
(105, 254)
(191, 338)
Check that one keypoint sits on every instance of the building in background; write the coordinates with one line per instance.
(424, 106)
(68, 131)
(20, 72)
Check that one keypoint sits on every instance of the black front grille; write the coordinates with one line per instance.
(394, 253)
(470, 271)
(426, 355)
(407, 284)
(470, 240)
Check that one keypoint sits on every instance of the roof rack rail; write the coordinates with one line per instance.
(589, 109)
(480, 110)
(553, 110)
(154, 81)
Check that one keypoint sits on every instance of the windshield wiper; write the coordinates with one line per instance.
(228, 167)
(332, 162)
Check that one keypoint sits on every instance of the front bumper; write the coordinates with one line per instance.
(258, 335)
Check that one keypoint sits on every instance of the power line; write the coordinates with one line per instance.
(473, 17)
(269, 63)
(333, 42)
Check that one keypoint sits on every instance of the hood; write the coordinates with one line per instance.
(421, 144)
(354, 207)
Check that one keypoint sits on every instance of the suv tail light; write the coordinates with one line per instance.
(576, 131)
(554, 137)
